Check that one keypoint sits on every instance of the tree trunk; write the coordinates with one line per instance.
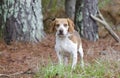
(22, 20)
(85, 24)
(70, 8)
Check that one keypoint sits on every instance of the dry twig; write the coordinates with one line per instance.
(17, 73)
(106, 25)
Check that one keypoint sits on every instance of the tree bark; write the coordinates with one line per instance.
(70, 8)
(22, 20)
(85, 24)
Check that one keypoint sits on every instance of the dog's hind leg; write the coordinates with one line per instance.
(74, 61)
(81, 55)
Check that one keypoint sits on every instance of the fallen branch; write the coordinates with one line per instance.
(17, 73)
(8, 75)
(1, 75)
(106, 25)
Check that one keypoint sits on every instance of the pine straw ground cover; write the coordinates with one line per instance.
(24, 60)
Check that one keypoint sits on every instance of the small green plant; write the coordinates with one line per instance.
(98, 69)
(102, 3)
(53, 71)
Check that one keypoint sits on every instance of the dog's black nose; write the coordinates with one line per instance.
(61, 32)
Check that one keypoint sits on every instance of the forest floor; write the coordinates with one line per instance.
(22, 60)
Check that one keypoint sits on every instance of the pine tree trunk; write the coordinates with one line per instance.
(85, 24)
(70, 8)
(22, 20)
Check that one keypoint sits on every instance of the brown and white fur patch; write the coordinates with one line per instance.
(67, 40)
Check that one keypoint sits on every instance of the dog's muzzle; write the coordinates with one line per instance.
(60, 32)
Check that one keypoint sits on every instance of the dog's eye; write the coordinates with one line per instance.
(57, 25)
(65, 25)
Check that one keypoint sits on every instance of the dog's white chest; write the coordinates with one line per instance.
(65, 45)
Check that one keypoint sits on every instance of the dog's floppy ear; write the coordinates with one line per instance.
(52, 25)
(71, 25)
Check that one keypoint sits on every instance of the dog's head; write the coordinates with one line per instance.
(62, 26)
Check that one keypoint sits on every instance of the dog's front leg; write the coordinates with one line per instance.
(66, 60)
(60, 57)
(59, 54)
(74, 56)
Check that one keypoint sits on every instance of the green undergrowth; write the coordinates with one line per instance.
(98, 69)
(103, 3)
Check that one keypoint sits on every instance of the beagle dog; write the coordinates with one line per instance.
(67, 40)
